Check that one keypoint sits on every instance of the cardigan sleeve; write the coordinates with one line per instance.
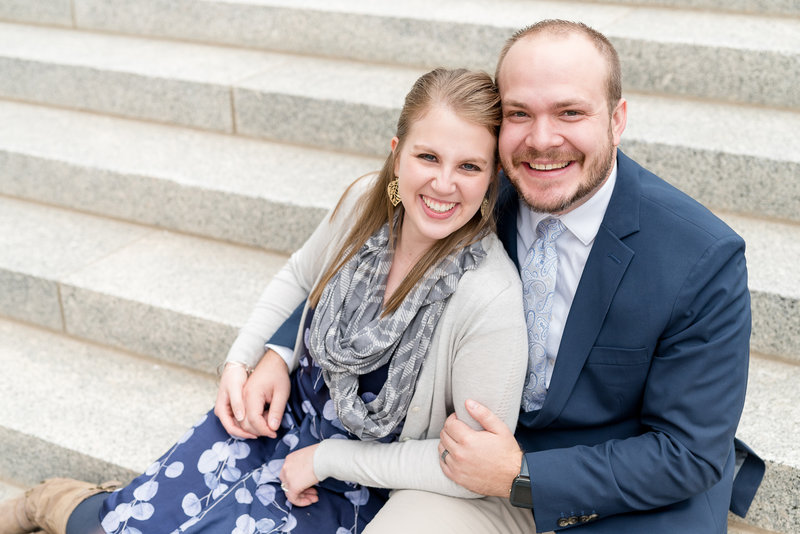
(294, 282)
(485, 350)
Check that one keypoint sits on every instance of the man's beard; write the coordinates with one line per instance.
(596, 175)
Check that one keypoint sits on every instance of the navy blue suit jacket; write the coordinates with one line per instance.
(637, 431)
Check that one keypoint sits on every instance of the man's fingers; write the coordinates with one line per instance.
(254, 415)
(446, 443)
(485, 417)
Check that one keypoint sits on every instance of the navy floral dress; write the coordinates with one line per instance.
(210, 482)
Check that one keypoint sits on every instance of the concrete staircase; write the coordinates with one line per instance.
(160, 158)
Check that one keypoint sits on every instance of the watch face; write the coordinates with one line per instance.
(521, 492)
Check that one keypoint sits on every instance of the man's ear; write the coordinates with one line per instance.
(619, 119)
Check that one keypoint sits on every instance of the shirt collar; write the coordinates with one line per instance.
(584, 221)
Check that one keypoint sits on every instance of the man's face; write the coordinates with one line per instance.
(558, 141)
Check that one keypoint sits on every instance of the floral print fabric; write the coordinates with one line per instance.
(210, 482)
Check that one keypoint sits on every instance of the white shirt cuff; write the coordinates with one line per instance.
(286, 354)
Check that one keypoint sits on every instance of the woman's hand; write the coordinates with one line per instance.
(268, 385)
(298, 478)
(229, 407)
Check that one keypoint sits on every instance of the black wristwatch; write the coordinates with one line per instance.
(521, 495)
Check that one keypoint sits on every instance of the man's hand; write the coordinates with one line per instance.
(229, 407)
(485, 461)
(268, 385)
(298, 478)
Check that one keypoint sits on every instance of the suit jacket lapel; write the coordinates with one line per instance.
(605, 267)
(506, 213)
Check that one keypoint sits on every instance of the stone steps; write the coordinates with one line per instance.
(129, 411)
(721, 56)
(149, 291)
(265, 194)
(773, 254)
(9, 490)
(772, 389)
(754, 7)
(350, 106)
(155, 171)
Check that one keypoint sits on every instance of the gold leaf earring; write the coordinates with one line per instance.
(393, 190)
(484, 207)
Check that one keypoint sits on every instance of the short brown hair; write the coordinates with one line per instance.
(565, 27)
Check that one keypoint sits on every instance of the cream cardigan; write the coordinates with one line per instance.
(479, 351)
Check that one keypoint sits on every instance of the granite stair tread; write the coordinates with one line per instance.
(129, 412)
(773, 254)
(270, 195)
(737, 57)
(755, 7)
(163, 294)
(721, 162)
(770, 424)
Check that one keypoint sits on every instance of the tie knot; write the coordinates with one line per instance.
(550, 228)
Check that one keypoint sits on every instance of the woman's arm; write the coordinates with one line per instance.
(486, 357)
(282, 296)
(293, 283)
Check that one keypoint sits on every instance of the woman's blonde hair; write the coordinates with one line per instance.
(473, 97)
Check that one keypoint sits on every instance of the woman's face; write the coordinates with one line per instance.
(444, 168)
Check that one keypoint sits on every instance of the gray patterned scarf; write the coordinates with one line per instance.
(349, 337)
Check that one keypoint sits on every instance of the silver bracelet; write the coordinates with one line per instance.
(247, 369)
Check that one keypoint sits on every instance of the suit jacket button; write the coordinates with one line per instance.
(568, 521)
(584, 519)
(592, 517)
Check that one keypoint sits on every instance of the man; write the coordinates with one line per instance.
(638, 342)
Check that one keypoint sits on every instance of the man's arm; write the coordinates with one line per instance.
(691, 406)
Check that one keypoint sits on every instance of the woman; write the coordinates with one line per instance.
(413, 307)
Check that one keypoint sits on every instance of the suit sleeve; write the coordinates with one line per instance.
(691, 405)
(286, 335)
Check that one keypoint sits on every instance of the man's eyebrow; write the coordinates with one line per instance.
(512, 104)
(569, 103)
(572, 103)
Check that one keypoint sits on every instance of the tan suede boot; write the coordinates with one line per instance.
(47, 507)
(13, 519)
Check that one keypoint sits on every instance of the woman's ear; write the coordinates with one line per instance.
(393, 144)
